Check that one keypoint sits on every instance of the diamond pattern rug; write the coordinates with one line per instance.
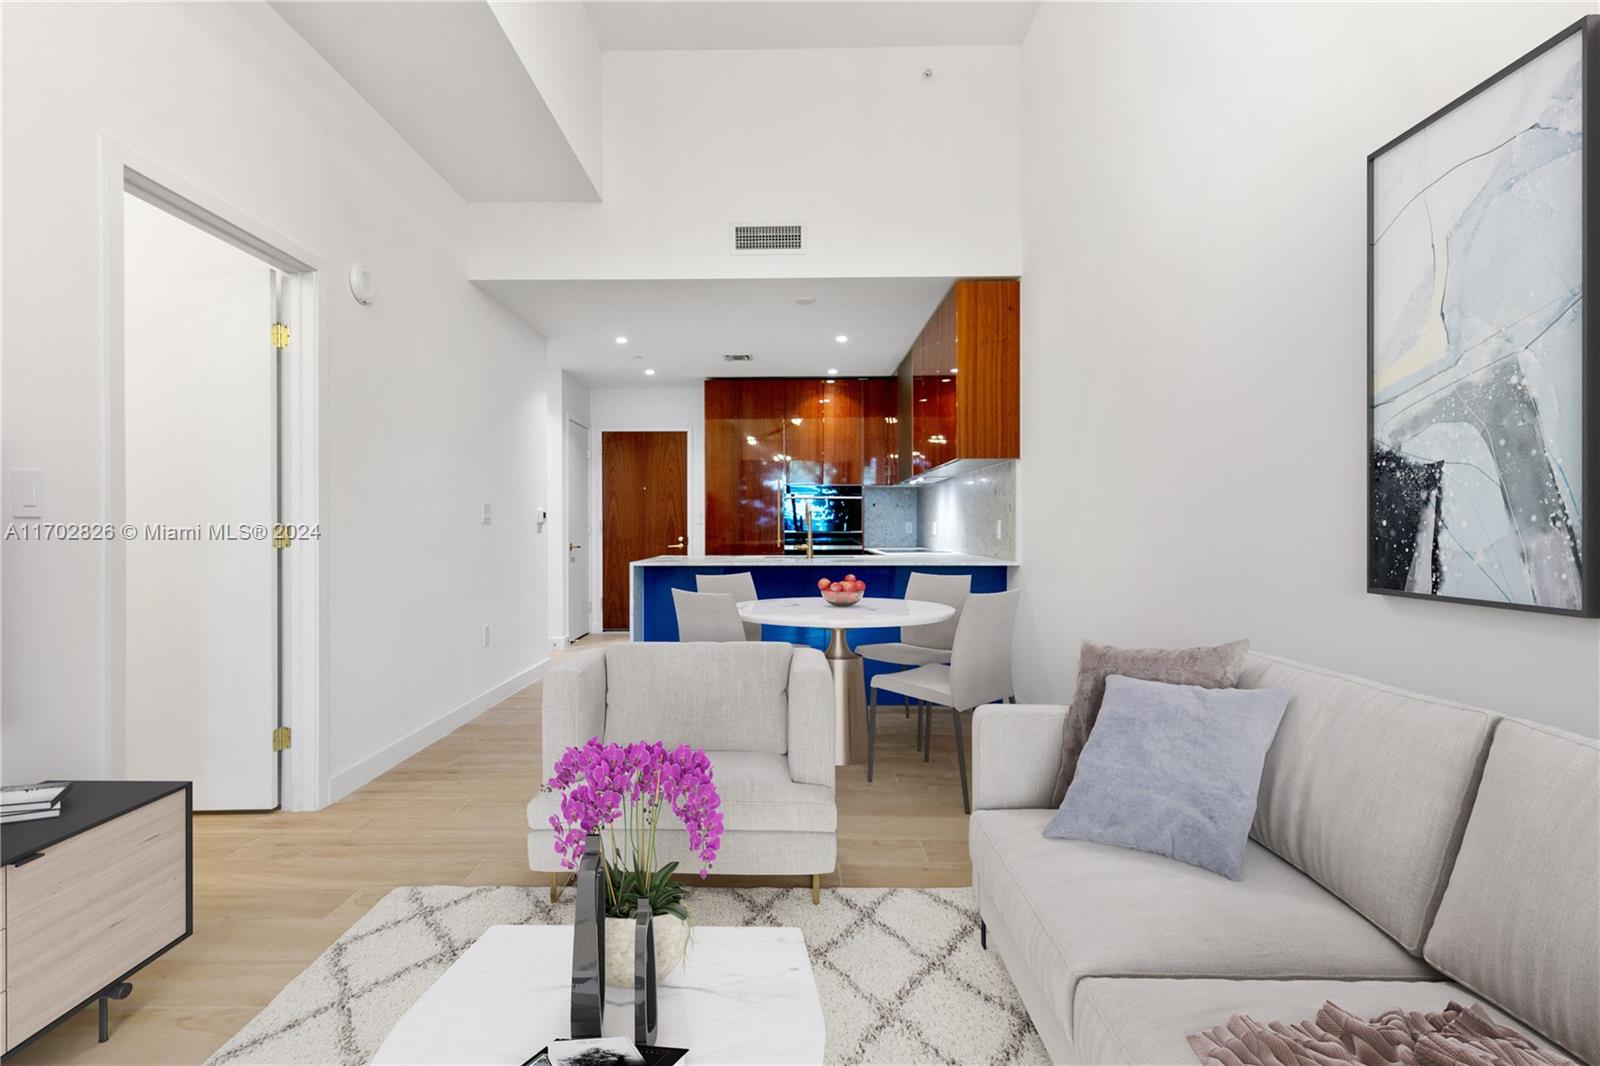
(899, 971)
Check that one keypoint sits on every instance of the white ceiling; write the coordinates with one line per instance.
(447, 78)
(681, 329)
(630, 25)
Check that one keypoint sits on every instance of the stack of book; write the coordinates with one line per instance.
(27, 803)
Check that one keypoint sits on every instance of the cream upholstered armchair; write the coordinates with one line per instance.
(763, 713)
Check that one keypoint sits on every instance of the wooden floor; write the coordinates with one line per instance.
(273, 890)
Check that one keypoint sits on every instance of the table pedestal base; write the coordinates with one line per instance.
(849, 702)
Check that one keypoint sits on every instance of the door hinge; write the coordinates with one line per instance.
(280, 335)
(282, 738)
(281, 538)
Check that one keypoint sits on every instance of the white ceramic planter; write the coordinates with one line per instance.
(672, 940)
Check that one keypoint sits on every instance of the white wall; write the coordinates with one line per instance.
(664, 408)
(432, 397)
(557, 45)
(1194, 342)
(894, 175)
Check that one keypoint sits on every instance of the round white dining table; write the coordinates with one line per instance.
(849, 680)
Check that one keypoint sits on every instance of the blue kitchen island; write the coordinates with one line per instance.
(777, 576)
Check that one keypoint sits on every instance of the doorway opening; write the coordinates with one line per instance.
(213, 613)
(644, 489)
(579, 603)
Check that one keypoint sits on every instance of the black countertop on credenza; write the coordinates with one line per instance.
(85, 805)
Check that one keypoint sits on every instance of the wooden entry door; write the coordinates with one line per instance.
(644, 483)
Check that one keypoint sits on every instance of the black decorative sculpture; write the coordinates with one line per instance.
(589, 945)
(644, 976)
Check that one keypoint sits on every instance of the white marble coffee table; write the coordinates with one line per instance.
(742, 995)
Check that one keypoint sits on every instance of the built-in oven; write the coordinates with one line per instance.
(829, 516)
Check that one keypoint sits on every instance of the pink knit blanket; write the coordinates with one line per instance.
(1455, 1036)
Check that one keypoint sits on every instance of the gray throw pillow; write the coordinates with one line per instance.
(1213, 667)
(1174, 770)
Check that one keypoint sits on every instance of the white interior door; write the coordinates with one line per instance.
(200, 448)
(579, 553)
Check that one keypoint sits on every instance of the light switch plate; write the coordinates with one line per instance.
(27, 494)
(488, 513)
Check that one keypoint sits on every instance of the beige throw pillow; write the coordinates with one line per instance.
(1216, 667)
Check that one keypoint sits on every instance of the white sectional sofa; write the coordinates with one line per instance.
(1406, 852)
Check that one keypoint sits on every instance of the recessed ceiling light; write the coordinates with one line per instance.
(622, 340)
(841, 338)
(954, 369)
(803, 300)
(649, 371)
(833, 370)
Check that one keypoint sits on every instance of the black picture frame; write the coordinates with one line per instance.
(1588, 542)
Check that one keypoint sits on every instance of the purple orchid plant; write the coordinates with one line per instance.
(602, 785)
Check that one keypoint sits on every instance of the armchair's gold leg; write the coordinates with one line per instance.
(816, 890)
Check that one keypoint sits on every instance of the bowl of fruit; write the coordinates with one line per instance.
(842, 593)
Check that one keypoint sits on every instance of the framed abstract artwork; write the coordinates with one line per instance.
(1483, 445)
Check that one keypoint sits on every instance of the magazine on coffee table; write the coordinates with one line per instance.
(605, 1051)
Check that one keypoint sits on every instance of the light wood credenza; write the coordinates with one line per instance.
(90, 897)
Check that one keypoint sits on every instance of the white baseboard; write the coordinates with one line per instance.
(391, 755)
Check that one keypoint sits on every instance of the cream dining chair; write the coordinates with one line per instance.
(979, 673)
(707, 616)
(921, 645)
(741, 586)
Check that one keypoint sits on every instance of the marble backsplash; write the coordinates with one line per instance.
(889, 516)
(975, 512)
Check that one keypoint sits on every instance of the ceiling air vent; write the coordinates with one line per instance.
(741, 357)
(779, 238)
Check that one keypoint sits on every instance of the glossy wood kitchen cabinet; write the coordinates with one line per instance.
(880, 431)
(961, 381)
(822, 431)
(763, 434)
(745, 464)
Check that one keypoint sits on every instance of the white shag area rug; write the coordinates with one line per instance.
(900, 972)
